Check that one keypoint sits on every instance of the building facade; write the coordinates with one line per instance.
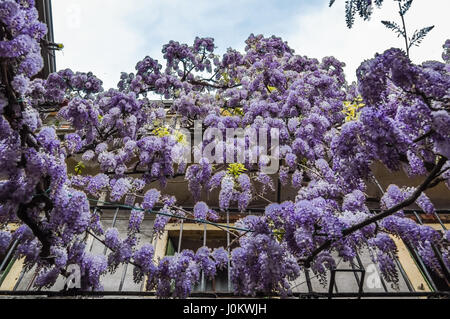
(358, 279)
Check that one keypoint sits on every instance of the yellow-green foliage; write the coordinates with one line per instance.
(351, 109)
(236, 169)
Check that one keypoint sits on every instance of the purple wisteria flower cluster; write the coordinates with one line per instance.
(330, 133)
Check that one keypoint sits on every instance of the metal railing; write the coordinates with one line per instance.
(438, 285)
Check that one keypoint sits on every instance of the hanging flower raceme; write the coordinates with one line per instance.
(328, 137)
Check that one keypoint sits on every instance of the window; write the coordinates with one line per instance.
(192, 236)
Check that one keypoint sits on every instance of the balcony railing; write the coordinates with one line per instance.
(358, 279)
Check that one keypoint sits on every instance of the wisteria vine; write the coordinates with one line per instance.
(331, 133)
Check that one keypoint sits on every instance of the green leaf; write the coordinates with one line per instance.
(226, 78)
(271, 88)
(239, 111)
(350, 11)
(394, 27)
(419, 35)
(405, 7)
(79, 168)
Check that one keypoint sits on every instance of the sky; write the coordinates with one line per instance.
(108, 37)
